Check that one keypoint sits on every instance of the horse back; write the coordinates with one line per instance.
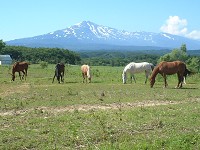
(137, 67)
(172, 67)
(20, 66)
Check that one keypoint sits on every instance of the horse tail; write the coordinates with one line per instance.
(152, 66)
(88, 72)
(187, 72)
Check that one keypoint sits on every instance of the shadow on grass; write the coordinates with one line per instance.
(183, 88)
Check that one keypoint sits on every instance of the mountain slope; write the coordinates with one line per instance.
(88, 35)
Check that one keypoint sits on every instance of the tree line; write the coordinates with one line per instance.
(116, 58)
(99, 58)
(36, 55)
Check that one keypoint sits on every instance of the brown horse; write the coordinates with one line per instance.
(86, 73)
(168, 68)
(59, 72)
(17, 67)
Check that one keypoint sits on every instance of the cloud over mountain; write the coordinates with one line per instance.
(177, 26)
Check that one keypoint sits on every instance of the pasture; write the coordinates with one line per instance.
(104, 114)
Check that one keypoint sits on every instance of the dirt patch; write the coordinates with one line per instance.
(71, 108)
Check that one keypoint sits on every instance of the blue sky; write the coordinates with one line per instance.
(27, 18)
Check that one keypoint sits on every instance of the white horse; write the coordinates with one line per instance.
(133, 68)
(86, 73)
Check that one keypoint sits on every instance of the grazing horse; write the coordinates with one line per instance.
(168, 68)
(86, 72)
(133, 68)
(59, 72)
(17, 67)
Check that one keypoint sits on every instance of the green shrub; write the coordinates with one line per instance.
(43, 64)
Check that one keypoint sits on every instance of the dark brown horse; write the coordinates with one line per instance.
(59, 72)
(168, 68)
(20, 66)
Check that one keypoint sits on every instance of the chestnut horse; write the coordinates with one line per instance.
(168, 68)
(59, 72)
(86, 73)
(17, 67)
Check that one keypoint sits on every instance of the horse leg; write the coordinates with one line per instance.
(184, 79)
(133, 78)
(62, 77)
(147, 75)
(165, 80)
(54, 78)
(24, 75)
(13, 77)
(58, 77)
(180, 81)
(20, 76)
(86, 79)
(83, 77)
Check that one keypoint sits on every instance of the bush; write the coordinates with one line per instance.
(43, 64)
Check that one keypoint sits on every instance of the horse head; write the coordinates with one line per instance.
(152, 81)
(13, 76)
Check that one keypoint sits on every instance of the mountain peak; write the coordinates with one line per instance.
(85, 23)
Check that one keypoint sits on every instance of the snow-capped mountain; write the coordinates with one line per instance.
(90, 35)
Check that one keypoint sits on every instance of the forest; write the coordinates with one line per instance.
(101, 57)
(36, 55)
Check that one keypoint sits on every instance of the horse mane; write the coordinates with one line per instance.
(155, 72)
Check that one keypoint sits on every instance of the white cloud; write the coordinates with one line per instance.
(194, 35)
(177, 26)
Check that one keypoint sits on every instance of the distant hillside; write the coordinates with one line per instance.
(90, 36)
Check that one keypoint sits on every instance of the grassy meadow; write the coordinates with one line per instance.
(105, 114)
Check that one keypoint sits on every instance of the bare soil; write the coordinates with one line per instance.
(71, 108)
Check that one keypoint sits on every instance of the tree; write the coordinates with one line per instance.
(2, 44)
(176, 54)
(184, 48)
(193, 63)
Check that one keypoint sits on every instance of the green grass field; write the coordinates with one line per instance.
(105, 114)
